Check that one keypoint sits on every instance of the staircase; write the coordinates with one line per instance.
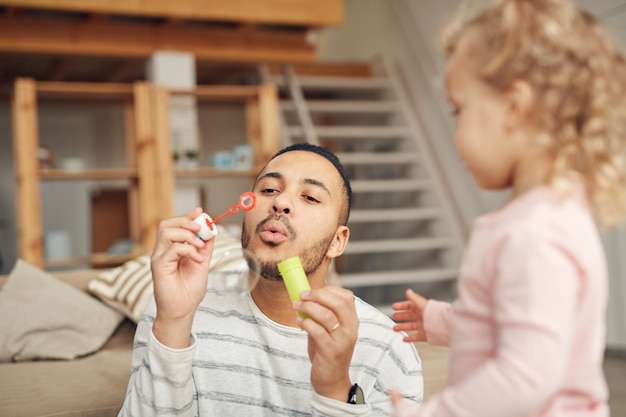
(404, 232)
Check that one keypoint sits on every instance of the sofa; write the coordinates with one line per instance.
(38, 382)
(92, 385)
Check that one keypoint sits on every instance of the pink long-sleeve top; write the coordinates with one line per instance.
(527, 332)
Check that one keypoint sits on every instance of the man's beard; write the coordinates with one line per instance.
(311, 258)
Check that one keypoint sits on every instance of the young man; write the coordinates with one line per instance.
(201, 354)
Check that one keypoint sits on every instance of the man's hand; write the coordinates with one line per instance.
(180, 268)
(410, 315)
(333, 328)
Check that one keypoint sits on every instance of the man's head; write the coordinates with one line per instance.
(303, 203)
(332, 158)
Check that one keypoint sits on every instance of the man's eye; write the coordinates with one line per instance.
(311, 199)
(268, 191)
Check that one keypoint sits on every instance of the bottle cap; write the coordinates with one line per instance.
(208, 229)
(289, 264)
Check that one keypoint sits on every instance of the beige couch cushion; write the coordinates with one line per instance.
(42, 317)
(92, 386)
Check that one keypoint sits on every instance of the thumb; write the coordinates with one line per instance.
(396, 397)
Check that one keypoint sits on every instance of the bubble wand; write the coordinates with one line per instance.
(208, 231)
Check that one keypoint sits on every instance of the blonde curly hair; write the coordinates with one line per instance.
(566, 54)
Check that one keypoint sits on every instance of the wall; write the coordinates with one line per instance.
(406, 31)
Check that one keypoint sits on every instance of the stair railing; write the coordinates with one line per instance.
(304, 116)
(430, 161)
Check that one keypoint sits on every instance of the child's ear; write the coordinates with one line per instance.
(521, 104)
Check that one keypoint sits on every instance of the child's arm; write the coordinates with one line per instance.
(423, 320)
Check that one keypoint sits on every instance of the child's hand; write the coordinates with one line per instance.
(402, 408)
(410, 315)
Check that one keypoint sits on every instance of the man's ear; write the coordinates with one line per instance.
(340, 240)
(522, 102)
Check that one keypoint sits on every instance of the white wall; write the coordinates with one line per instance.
(406, 31)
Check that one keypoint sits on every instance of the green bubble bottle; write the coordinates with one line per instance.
(295, 279)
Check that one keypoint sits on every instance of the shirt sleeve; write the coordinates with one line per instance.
(437, 319)
(536, 288)
(161, 380)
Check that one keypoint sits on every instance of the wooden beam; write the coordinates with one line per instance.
(25, 148)
(164, 167)
(268, 114)
(106, 38)
(326, 69)
(279, 12)
(145, 136)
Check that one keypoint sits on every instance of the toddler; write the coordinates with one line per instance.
(539, 92)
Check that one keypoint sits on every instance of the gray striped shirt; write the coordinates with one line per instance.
(240, 363)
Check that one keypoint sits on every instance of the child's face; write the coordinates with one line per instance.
(481, 135)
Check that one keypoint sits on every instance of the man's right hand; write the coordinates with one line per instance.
(180, 268)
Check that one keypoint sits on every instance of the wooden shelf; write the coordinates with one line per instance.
(207, 172)
(220, 92)
(89, 174)
(83, 88)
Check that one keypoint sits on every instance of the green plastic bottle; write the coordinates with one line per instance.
(295, 279)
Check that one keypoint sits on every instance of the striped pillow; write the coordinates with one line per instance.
(128, 288)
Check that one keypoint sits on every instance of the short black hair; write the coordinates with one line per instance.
(333, 159)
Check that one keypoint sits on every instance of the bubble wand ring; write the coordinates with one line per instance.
(247, 201)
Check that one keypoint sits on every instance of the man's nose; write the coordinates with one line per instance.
(282, 205)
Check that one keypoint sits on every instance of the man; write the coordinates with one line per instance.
(201, 354)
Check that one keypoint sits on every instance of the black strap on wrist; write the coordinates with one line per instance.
(356, 395)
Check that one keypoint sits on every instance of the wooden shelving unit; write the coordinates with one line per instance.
(141, 147)
(261, 104)
(150, 169)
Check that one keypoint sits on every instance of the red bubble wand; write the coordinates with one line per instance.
(247, 201)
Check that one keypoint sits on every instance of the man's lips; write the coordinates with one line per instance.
(274, 232)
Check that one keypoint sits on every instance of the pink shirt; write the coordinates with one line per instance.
(527, 333)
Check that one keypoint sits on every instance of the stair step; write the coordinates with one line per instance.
(337, 83)
(354, 132)
(390, 215)
(398, 277)
(399, 245)
(377, 158)
(345, 106)
(411, 184)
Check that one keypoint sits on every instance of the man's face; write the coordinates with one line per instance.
(299, 197)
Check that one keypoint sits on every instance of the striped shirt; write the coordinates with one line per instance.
(240, 363)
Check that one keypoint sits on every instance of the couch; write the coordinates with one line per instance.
(94, 384)
(89, 386)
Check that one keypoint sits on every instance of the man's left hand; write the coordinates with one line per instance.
(332, 325)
